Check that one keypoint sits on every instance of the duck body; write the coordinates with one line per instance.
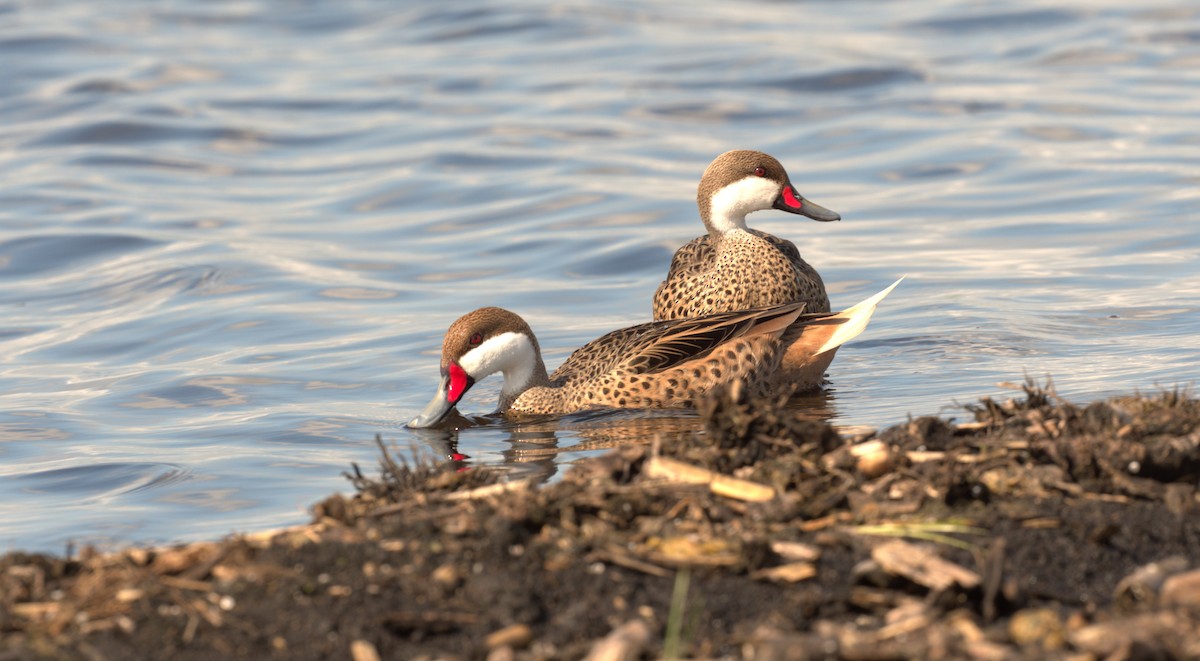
(735, 267)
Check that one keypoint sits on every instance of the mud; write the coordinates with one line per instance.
(1040, 529)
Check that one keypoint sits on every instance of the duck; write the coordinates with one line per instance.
(659, 364)
(734, 267)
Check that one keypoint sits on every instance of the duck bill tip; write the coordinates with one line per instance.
(435, 411)
(792, 202)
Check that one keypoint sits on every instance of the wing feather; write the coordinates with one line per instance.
(688, 339)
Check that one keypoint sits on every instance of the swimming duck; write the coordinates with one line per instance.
(662, 364)
(734, 267)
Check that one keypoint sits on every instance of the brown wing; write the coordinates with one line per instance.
(603, 354)
(660, 345)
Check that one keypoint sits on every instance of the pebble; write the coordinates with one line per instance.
(1182, 589)
(1041, 626)
(446, 575)
(515, 635)
(126, 595)
(363, 650)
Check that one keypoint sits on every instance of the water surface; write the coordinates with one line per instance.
(232, 233)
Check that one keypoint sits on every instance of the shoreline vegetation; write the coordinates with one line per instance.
(1039, 529)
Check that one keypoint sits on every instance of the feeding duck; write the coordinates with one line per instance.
(661, 364)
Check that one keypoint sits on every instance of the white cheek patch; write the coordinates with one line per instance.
(730, 205)
(511, 353)
(494, 355)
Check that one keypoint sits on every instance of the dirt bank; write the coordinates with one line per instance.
(1042, 529)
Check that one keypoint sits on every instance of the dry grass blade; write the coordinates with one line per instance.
(935, 531)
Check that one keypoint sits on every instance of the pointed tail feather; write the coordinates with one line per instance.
(855, 319)
(830, 331)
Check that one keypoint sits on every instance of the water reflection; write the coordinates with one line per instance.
(532, 447)
(538, 447)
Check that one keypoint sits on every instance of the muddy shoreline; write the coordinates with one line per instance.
(1041, 529)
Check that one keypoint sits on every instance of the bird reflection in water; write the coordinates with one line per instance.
(533, 442)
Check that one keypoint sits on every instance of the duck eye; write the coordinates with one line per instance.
(476, 339)
(759, 171)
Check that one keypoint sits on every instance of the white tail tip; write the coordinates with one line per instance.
(856, 318)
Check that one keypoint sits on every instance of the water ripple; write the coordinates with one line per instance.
(133, 132)
(1000, 21)
(844, 80)
(232, 237)
(99, 482)
(43, 43)
(26, 256)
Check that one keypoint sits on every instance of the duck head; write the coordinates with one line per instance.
(742, 181)
(479, 344)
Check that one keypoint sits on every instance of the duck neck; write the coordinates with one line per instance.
(516, 356)
(521, 377)
(722, 226)
(725, 210)
(720, 219)
(522, 366)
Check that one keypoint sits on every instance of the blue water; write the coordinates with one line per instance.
(232, 233)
